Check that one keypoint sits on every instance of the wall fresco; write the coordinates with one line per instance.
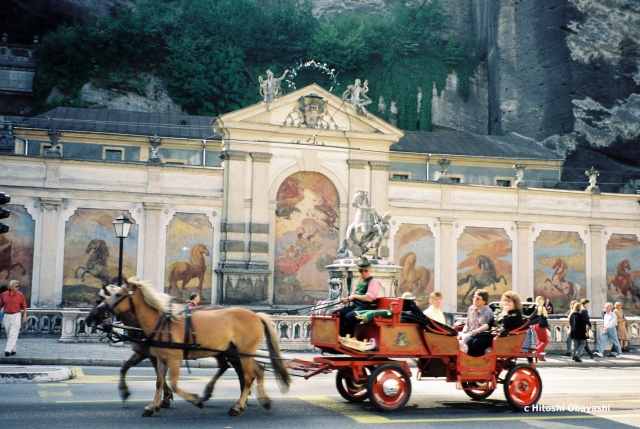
(559, 268)
(306, 238)
(189, 256)
(16, 250)
(91, 251)
(484, 262)
(623, 272)
(415, 252)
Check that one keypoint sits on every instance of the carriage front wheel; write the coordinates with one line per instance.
(522, 386)
(476, 390)
(349, 389)
(389, 387)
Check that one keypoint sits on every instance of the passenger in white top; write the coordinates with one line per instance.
(435, 309)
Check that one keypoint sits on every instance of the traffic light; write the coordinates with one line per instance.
(4, 199)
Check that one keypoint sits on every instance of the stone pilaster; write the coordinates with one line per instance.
(259, 228)
(523, 280)
(51, 254)
(379, 185)
(153, 267)
(448, 284)
(596, 278)
(234, 229)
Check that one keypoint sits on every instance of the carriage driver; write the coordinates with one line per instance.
(366, 292)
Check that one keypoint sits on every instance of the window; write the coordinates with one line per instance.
(505, 183)
(400, 176)
(455, 179)
(113, 154)
(45, 146)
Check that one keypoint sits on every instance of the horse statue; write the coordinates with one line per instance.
(6, 263)
(185, 271)
(623, 283)
(487, 277)
(415, 278)
(368, 228)
(234, 331)
(569, 289)
(141, 352)
(97, 264)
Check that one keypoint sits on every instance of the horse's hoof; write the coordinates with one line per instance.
(206, 398)
(147, 413)
(234, 412)
(165, 403)
(124, 394)
(199, 403)
(267, 405)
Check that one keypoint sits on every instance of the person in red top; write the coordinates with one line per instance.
(13, 303)
(194, 299)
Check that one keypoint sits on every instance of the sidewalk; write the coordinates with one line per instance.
(50, 351)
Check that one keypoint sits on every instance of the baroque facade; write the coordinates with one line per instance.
(249, 208)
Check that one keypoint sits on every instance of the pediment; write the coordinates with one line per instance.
(312, 108)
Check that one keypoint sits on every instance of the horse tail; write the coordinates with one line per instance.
(282, 373)
(464, 280)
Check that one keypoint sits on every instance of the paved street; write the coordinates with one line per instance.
(91, 400)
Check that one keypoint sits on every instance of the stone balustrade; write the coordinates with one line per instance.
(293, 331)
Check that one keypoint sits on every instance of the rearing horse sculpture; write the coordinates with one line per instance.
(365, 229)
(623, 282)
(487, 277)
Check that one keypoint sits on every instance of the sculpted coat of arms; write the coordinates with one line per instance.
(311, 112)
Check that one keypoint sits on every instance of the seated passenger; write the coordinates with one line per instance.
(508, 318)
(366, 292)
(435, 309)
(478, 315)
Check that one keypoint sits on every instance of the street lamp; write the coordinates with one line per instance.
(122, 225)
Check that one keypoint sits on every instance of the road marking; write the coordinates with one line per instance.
(55, 393)
(77, 371)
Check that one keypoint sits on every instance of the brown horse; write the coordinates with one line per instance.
(231, 330)
(141, 352)
(6, 262)
(623, 282)
(185, 271)
(415, 278)
(569, 289)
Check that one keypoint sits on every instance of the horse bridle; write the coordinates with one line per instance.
(118, 298)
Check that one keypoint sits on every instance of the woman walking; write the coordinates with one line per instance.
(578, 331)
(541, 328)
(623, 337)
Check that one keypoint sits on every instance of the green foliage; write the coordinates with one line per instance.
(210, 52)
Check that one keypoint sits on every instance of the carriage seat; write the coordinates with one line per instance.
(435, 327)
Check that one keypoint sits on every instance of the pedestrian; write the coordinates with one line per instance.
(585, 315)
(13, 303)
(435, 309)
(194, 299)
(609, 331)
(569, 342)
(548, 305)
(530, 340)
(623, 337)
(578, 331)
(541, 328)
(366, 292)
(478, 315)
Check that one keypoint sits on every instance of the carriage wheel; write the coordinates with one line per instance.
(389, 387)
(476, 390)
(350, 389)
(522, 386)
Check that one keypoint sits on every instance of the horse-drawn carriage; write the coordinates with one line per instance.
(384, 376)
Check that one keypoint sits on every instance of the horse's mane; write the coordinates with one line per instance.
(622, 267)
(159, 301)
(490, 266)
(196, 252)
(100, 253)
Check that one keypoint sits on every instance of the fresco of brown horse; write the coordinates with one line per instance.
(222, 331)
(568, 289)
(415, 278)
(623, 283)
(97, 264)
(185, 271)
(6, 263)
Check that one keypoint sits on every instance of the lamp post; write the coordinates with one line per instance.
(122, 225)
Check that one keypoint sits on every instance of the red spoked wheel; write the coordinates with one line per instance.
(476, 390)
(349, 389)
(522, 386)
(389, 387)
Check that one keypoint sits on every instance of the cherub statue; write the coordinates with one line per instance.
(357, 95)
(270, 87)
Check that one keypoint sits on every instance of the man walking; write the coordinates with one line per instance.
(609, 331)
(14, 303)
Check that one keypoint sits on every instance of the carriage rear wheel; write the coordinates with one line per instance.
(349, 389)
(389, 387)
(476, 390)
(522, 386)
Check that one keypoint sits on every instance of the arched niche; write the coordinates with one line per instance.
(91, 251)
(189, 256)
(559, 264)
(623, 271)
(306, 237)
(415, 252)
(17, 249)
(484, 260)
